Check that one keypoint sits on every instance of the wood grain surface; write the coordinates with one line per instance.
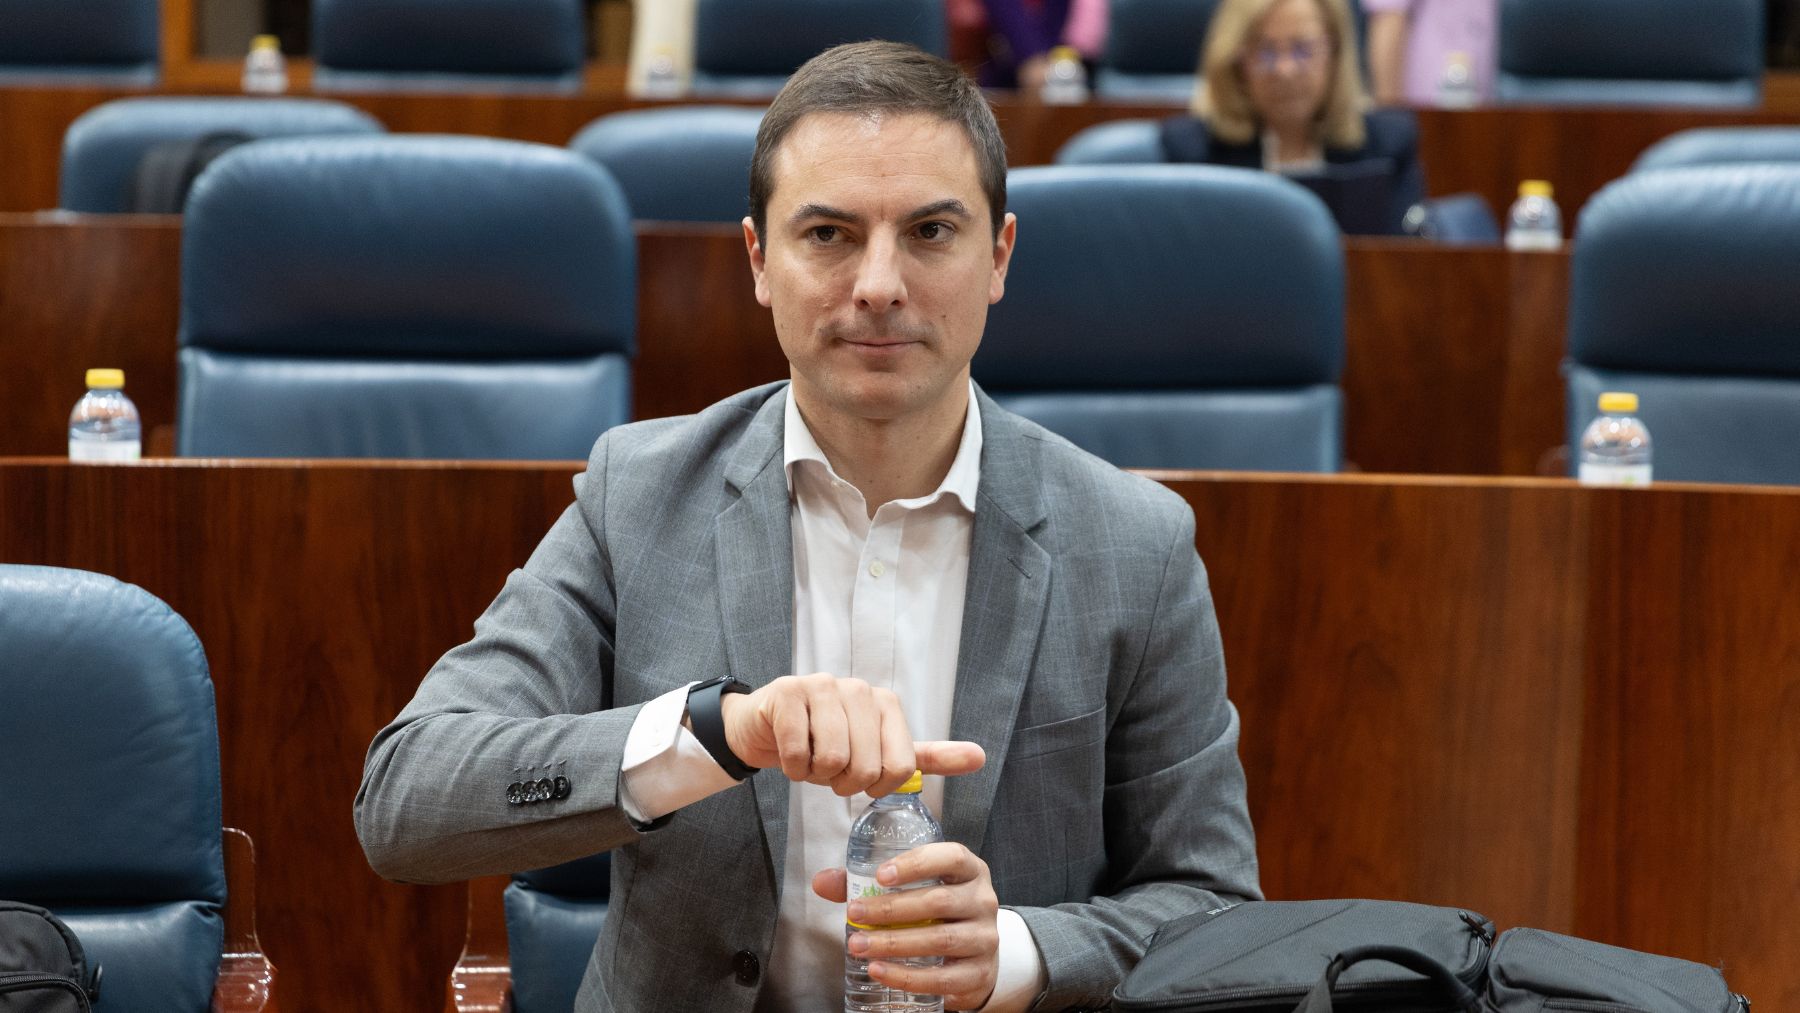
(1565, 707)
(1452, 365)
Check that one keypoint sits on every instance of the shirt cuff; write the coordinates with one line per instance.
(665, 767)
(1020, 978)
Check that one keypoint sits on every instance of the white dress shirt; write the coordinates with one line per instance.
(875, 599)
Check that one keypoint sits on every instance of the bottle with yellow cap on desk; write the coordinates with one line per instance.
(1535, 222)
(1615, 448)
(104, 425)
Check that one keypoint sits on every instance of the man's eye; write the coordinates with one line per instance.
(935, 231)
(822, 233)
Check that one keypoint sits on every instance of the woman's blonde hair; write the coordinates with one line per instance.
(1222, 99)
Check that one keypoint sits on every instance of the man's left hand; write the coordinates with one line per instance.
(963, 908)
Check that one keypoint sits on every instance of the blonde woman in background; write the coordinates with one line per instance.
(1280, 88)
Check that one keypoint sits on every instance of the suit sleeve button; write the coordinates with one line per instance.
(747, 967)
(561, 788)
(515, 793)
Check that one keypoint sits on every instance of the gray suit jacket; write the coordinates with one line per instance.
(1090, 670)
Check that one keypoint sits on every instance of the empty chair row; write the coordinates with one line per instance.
(412, 296)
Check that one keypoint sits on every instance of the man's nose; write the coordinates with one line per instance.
(880, 284)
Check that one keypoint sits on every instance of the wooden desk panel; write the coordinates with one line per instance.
(1443, 375)
(1487, 151)
(1559, 706)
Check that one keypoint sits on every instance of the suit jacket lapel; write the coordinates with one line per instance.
(754, 544)
(1003, 615)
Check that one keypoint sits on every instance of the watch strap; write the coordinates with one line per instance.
(706, 716)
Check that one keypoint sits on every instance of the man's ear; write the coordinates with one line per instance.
(1003, 251)
(757, 264)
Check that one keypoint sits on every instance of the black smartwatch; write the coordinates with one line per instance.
(708, 720)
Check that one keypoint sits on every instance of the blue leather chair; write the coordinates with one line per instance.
(1115, 142)
(678, 163)
(413, 45)
(1173, 317)
(553, 919)
(1681, 293)
(1152, 50)
(102, 148)
(1631, 52)
(100, 42)
(1721, 146)
(111, 782)
(1459, 219)
(747, 48)
(415, 296)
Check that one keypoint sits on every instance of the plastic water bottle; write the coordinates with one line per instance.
(890, 827)
(1456, 88)
(1065, 82)
(1615, 449)
(1534, 223)
(104, 425)
(661, 81)
(265, 72)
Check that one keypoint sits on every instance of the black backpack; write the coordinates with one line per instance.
(42, 966)
(1371, 956)
(166, 172)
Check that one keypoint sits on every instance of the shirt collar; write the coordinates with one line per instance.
(960, 481)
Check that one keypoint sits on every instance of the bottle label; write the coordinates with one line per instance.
(1615, 474)
(865, 886)
(105, 450)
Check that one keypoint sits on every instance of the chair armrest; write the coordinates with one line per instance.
(246, 982)
(482, 979)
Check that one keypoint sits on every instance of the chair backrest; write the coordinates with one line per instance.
(747, 48)
(1178, 316)
(99, 41)
(111, 782)
(1152, 50)
(1631, 52)
(678, 163)
(1680, 292)
(553, 919)
(1721, 146)
(1115, 142)
(407, 296)
(103, 147)
(429, 44)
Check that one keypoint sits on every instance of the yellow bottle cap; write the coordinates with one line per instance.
(262, 42)
(1615, 402)
(106, 378)
(913, 784)
(1065, 53)
(1536, 188)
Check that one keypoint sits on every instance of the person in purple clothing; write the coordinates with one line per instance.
(1433, 52)
(1021, 34)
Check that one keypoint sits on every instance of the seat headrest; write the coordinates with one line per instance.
(1632, 39)
(1165, 277)
(1721, 146)
(679, 163)
(1115, 142)
(94, 32)
(1686, 270)
(111, 777)
(461, 36)
(103, 146)
(777, 36)
(395, 246)
(1157, 36)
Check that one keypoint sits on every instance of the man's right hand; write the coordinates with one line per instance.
(842, 733)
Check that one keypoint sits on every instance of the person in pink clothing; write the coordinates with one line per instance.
(1433, 52)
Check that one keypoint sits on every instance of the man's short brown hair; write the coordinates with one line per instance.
(863, 78)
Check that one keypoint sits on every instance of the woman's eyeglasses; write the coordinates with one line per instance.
(1304, 53)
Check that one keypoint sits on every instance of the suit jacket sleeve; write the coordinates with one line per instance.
(527, 700)
(1177, 826)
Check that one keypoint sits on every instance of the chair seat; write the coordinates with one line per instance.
(148, 954)
(1248, 430)
(550, 939)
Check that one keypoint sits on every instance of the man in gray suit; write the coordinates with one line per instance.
(869, 568)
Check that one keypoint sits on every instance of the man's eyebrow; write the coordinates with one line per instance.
(949, 206)
(805, 211)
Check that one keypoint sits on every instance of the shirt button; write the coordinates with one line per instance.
(876, 569)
